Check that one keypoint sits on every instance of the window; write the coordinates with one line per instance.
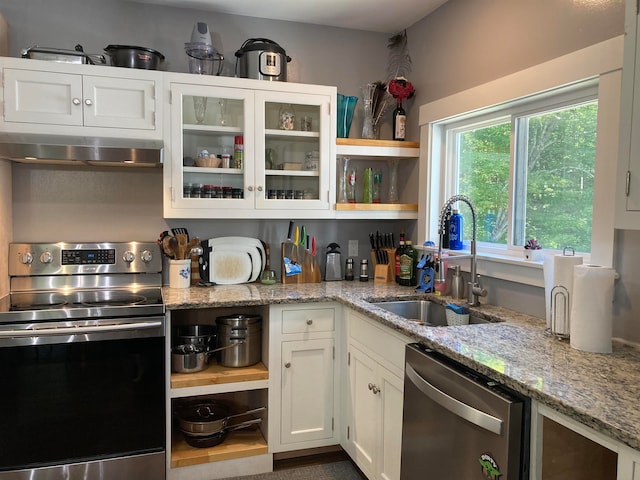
(528, 167)
(583, 83)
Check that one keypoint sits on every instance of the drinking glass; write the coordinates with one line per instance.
(200, 108)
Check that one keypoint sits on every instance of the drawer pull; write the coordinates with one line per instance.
(287, 365)
(309, 322)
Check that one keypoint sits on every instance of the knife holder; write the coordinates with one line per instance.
(309, 264)
(390, 274)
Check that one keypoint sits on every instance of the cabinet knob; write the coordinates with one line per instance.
(76, 101)
(371, 386)
(259, 188)
(250, 188)
(375, 390)
(88, 102)
(309, 321)
(287, 365)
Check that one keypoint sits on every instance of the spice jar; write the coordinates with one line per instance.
(364, 270)
(348, 269)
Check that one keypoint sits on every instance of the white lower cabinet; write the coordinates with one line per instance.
(302, 394)
(372, 409)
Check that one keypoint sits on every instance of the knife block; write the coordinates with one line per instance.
(384, 272)
(310, 268)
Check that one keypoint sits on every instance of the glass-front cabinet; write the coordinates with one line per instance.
(239, 151)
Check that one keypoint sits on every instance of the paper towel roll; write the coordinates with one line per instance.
(592, 308)
(558, 270)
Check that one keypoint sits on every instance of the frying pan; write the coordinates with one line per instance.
(206, 418)
(217, 438)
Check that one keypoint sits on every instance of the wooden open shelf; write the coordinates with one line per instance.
(238, 444)
(376, 207)
(216, 375)
(363, 142)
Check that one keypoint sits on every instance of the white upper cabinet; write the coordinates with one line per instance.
(286, 161)
(628, 176)
(56, 99)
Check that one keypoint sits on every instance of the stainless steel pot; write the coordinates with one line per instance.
(134, 57)
(208, 441)
(262, 59)
(245, 331)
(191, 358)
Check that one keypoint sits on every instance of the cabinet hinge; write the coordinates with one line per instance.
(334, 352)
(627, 180)
(332, 423)
(348, 432)
(349, 359)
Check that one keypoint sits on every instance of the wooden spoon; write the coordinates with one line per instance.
(182, 245)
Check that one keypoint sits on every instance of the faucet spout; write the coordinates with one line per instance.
(474, 290)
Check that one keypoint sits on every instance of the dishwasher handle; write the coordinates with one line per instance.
(455, 406)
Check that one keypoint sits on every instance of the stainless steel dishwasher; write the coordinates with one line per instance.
(459, 425)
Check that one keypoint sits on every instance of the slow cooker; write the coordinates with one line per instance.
(262, 59)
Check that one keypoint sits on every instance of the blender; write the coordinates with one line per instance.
(202, 54)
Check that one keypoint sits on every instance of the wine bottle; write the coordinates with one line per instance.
(399, 122)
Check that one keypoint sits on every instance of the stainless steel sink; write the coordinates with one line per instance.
(422, 311)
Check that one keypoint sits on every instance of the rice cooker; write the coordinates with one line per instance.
(262, 59)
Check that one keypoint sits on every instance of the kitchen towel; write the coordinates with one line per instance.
(558, 271)
(592, 308)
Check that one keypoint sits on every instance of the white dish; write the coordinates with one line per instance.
(229, 266)
(252, 252)
(243, 242)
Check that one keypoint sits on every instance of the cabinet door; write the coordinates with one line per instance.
(307, 390)
(206, 118)
(293, 150)
(42, 97)
(391, 399)
(363, 416)
(119, 103)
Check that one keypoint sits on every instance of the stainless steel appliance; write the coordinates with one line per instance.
(458, 424)
(262, 59)
(82, 362)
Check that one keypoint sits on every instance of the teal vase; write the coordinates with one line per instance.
(346, 107)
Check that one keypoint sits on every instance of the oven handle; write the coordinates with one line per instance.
(455, 406)
(42, 332)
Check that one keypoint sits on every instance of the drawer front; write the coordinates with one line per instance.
(381, 340)
(308, 320)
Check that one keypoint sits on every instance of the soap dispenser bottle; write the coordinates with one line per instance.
(333, 264)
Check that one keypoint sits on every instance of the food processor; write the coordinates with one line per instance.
(202, 54)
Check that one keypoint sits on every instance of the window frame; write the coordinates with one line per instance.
(600, 63)
(513, 113)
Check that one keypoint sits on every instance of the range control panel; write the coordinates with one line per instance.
(28, 259)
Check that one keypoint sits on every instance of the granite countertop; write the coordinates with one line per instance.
(598, 390)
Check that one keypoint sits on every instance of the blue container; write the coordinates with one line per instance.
(455, 231)
(346, 107)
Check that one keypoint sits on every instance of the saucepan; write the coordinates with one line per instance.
(190, 358)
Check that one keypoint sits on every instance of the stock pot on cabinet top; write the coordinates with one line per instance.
(244, 331)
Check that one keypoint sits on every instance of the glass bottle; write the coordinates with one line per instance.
(351, 185)
(377, 184)
(399, 122)
(367, 186)
(397, 255)
(393, 180)
(408, 265)
(342, 181)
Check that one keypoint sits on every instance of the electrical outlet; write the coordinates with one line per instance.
(353, 248)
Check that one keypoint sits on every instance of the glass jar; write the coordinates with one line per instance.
(286, 117)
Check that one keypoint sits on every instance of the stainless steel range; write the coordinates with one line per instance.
(82, 362)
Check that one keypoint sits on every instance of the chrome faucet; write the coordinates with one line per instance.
(474, 290)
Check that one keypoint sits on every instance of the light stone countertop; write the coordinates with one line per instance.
(598, 390)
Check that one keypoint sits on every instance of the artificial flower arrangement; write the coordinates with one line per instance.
(401, 89)
(532, 250)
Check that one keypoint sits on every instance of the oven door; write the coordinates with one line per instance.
(81, 392)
